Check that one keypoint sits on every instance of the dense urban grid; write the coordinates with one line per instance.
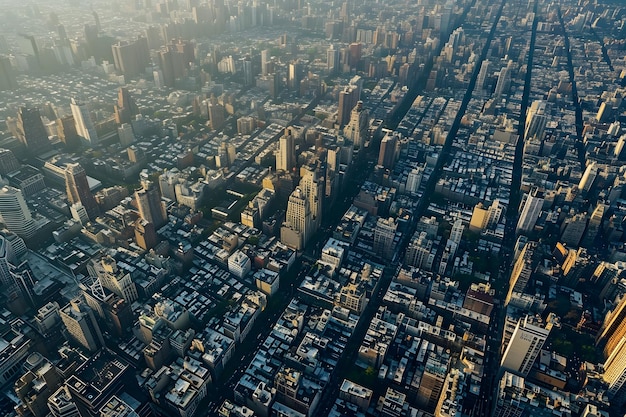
(296, 209)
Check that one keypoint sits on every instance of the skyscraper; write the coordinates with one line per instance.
(588, 178)
(348, 98)
(66, 130)
(150, 206)
(522, 270)
(78, 191)
(81, 325)
(615, 373)
(356, 129)
(296, 230)
(216, 114)
(265, 62)
(15, 214)
(531, 211)
(7, 260)
(84, 126)
(385, 237)
(613, 329)
(536, 121)
(387, 153)
(525, 344)
(31, 131)
(7, 75)
(332, 59)
(8, 162)
(125, 108)
(312, 184)
(286, 155)
(131, 57)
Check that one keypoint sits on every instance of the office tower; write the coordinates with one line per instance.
(78, 191)
(145, 234)
(530, 212)
(522, 270)
(81, 325)
(16, 243)
(312, 184)
(588, 178)
(296, 230)
(7, 75)
(332, 59)
(216, 114)
(126, 108)
(536, 121)
(613, 329)
(131, 57)
(84, 126)
(248, 74)
(117, 281)
(387, 153)
(79, 213)
(348, 98)
(7, 260)
(31, 131)
(593, 227)
(286, 155)
(504, 80)
(66, 131)
(265, 62)
(356, 129)
(355, 51)
(432, 381)
(175, 60)
(15, 214)
(385, 238)
(485, 71)
(456, 233)
(294, 75)
(8, 162)
(525, 344)
(615, 373)
(150, 206)
(126, 135)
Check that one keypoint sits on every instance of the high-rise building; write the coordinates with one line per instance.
(522, 270)
(615, 373)
(504, 80)
(588, 178)
(150, 206)
(175, 59)
(125, 108)
(66, 130)
(81, 325)
(131, 57)
(7, 75)
(332, 59)
(593, 227)
(613, 329)
(8, 162)
(312, 184)
(387, 153)
(286, 155)
(31, 131)
(385, 237)
(216, 114)
(296, 230)
(78, 191)
(84, 125)
(531, 211)
(536, 121)
(294, 75)
(265, 62)
(7, 260)
(356, 129)
(117, 281)
(525, 344)
(419, 253)
(15, 214)
(348, 98)
(61, 404)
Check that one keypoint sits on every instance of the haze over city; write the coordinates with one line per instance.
(295, 208)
